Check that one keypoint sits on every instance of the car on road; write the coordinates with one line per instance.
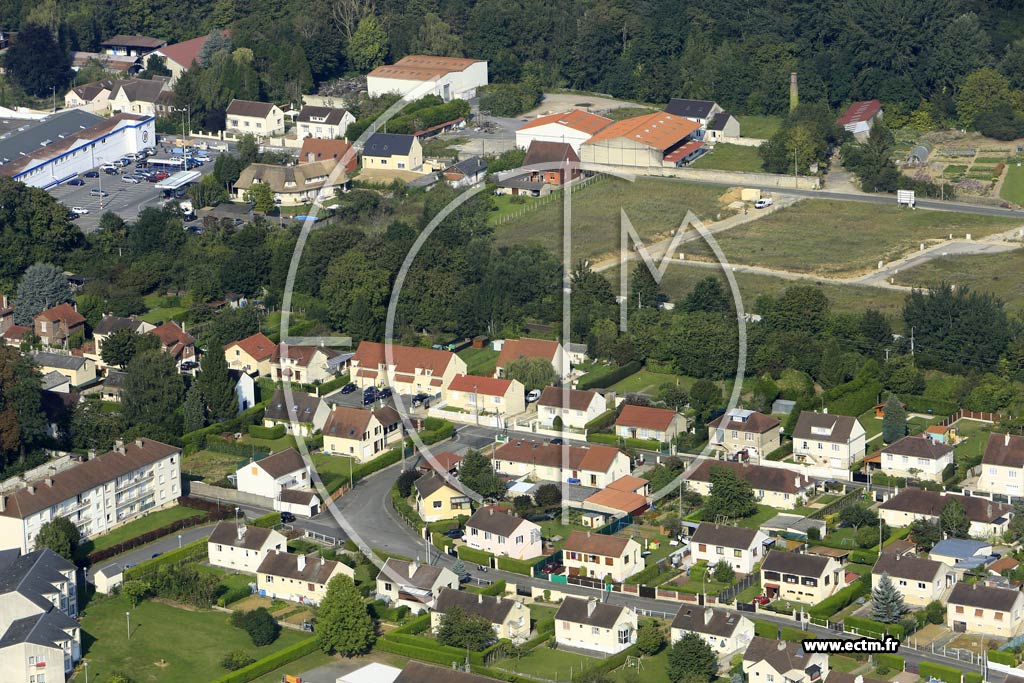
(466, 578)
(79, 210)
(763, 203)
(533, 396)
(287, 517)
(130, 179)
(420, 399)
(91, 174)
(97, 192)
(761, 600)
(454, 533)
(348, 388)
(155, 555)
(557, 441)
(75, 181)
(189, 365)
(553, 568)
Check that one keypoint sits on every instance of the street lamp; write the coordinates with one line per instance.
(128, 620)
(85, 662)
(476, 404)
(179, 540)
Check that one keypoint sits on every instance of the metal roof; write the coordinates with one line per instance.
(32, 135)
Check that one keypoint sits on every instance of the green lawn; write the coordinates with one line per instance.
(763, 514)
(844, 664)
(992, 273)
(153, 520)
(700, 581)
(554, 527)
(758, 126)
(1013, 184)
(272, 445)
(655, 207)
(871, 424)
(160, 309)
(303, 664)
(803, 237)
(211, 466)
(547, 663)
(726, 157)
(333, 469)
(651, 669)
(973, 438)
(647, 382)
(167, 644)
(479, 361)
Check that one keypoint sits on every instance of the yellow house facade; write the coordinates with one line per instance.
(297, 578)
(988, 610)
(510, 619)
(437, 499)
(590, 625)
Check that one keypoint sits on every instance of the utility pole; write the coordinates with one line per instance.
(911, 341)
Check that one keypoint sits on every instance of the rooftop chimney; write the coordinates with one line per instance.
(92, 454)
(781, 646)
(119, 446)
(1006, 439)
(302, 562)
(859, 679)
(591, 606)
(413, 566)
(479, 598)
(708, 613)
(3, 503)
(49, 481)
(31, 490)
(490, 511)
(139, 442)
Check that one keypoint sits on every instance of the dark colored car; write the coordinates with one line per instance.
(287, 517)
(384, 393)
(454, 533)
(189, 365)
(369, 396)
(557, 441)
(420, 399)
(553, 568)
(348, 388)
(465, 578)
(156, 555)
(76, 181)
(542, 517)
(91, 174)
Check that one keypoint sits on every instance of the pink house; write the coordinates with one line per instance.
(499, 532)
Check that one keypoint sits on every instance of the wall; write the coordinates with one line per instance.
(202, 490)
(767, 180)
(744, 142)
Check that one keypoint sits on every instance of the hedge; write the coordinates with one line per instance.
(475, 556)
(267, 521)
(253, 415)
(268, 433)
(330, 385)
(876, 629)
(766, 629)
(854, 397)
(375, 465)
(973, 677)
(271, 662)
(193, 551)
(922, 404)
(602, 421)
(894, 662)
(863, 557)
(155, 534)
(496, 588)
(431, 653)
(524, 567)
(1000, 657)
(405, 510)
(781, 453)
(644, 576)
(234, 595)
(614, 440)
(607, 379)
(830, 605)
(417, 625)
(612, 663)
(435, 429)
(940, 671)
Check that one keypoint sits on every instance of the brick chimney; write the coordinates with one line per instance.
(140, 442)
(302, 562)
(591, 606)
(31, 490)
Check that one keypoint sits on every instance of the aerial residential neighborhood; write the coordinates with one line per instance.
(356, 342)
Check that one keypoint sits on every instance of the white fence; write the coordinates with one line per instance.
(493, 421)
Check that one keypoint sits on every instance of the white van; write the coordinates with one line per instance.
(763, 203)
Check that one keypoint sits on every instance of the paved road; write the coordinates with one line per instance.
(146, 552)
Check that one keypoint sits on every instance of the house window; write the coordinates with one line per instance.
(437, 505)
(565, 625)
(771, 677)
(519, 539)
(624, 634)
(719, 550)
(608, 561)
(737, 553)
(999, 616)
(979, 613)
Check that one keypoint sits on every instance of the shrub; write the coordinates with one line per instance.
(601, 422)
(874, 629)
(233, 661)
(261, 626)
(830, 605)
(267, 521)
(972, 677)
(940, 671)
(270, 662)
(607, 379)
(1000, 657)
(233, 595)
(782, 452)
(894, 662)
(266, 433)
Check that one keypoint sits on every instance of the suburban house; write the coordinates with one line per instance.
(254, 353)
(175, 342)
(511, 350)
(715, 123)
(259, 118)
(1002, 465)
(283, 477)
(740, 548)
(962, 553)
(859, 117)
(487, 395)
(573, 407)
(988, 610)
(438, 499)
(241, 547)
(361, 433)
(445, 461)
(782, 661)
(322, 122)
(801, 577)
(745, 434)
(93, 97)
(831, 441)
(339, 151)
(420, 75)
(180, 57)
(499, 532)
(131, 46)
(652, 141)
(723, 125)
(98, 495)
(988, 518)
(601, 556)
(644, 422)
(302, 363)
(596, 466)
(78, 370)
(393, 152)
(572, 127)
(551, 163)
(297, 578)
(509, 618)
(411, 370)
(296, 415)
(724, 632)
(781, 488)
(110, 324)
(146, 96)
(412, 584)
(628, 494)
(466, 173)
(55, 325)
(42, 640)
(292, 185)
(418, 672)
(596, 626)
(918, 579)
(916, 457)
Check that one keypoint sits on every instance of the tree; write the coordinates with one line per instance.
(459, 568)
(59, 535)
(935, 612)
(478, 475)
(981, 91)
(136, 590)
(233, 661)
(121, 346)
(217, 387)
(368, 46)
(887, 605)
(261, 626)
(953, 520)
(42, 286)
(858, 515)
(464, 631)
(152, 391)
(643, 288)
(37, 63)
(730, 497)
(155, 66)
(894, 424)
(691, 655)
(261, 197)
(534, 373)
(723, 572)
(650, 639)
(21, 416)
(343, 624)
(957, 329)
(522, 504)
(193, 410)
(548, 496)
(435, 37)
(925, 533)
(405, 482)
(707, 296)
(705, 397)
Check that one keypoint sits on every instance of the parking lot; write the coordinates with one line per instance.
(124, 199)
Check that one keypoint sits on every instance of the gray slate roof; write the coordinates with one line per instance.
(906, 567)
(795, 563)
(387, 144)
(494, 609)
(689, 109)
(918, 447)
(58, 360)
(302, 409)
(112, 323)
(469, 167)
(715, 622)
(723, 535)
(226, 533)
(841, 427)
(496, 521)
(46, 629)
(32, 575)
(33, 135)
(575, 610)
(985, 597)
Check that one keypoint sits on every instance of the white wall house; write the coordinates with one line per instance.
(242, 548)
(420, 75)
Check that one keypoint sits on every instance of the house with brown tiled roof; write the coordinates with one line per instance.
(830, 442)
(510, 619)
(724, 631)
(628, 494)
(588, 624)
(745, 434)
(511, 350)
(988, 610)
(252, 354)
(650, 141)
(361, 433)
(258, 118)
(92, 97)
(575, 408)
(301, 363)
(586, 553)
(487, 395)
(413, 584)
(180, 57)
(55, 325)
(778, 487)
(766, 660)
(240, 547)
(916, 457)
(145, 96)
(322, 122)
(918, 579)
(409, 370)
(645, 422)
(988, 518)
(1002, 465)
(440, 497)
(740, 548)
(284, 478)
(572, 127)
(595, 466)
(501, 533)
(339, 151)
(175, 342)
(804, 578)
(298, 578)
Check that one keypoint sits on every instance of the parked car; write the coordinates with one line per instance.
(189, 365)
(420, 399)
(557, 441)
(385, 392)
(466, 578)
(130, 179)
(76, 181)
(155, 555)
(533, 396)
(369, 396)
(150, 151)
(553, 568)
(107, 168)
(763, 203)
(454, 533)
(160, 175)
(79, 210)
(91, 174)
(97, 192)
(287, 517)
(348, 388)
(761, 600)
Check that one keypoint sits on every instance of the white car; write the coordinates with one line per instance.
(533, 396)
(763, 203)
(130, 179)
(79, 211)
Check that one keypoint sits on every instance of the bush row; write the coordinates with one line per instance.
(644, 576)
(405, 510)
(234, 595)
(921, 404)
(609, 378)
(940, 671)
(876, 629)
(1000, 657)
(375, 465)
(782, 452)
(606, 666)
(973, 677)
(435, 429)
(496, 588)
(475, 556)
(268, 433)
(854, 397)
(844, 598)
(766, 629)
(614, 440)
(417, 625)
(190, 552)
(270, 662)
(524, 567)
(330, 385)
(894, 662)
(267, 521)
(601, 422)
(238, 423)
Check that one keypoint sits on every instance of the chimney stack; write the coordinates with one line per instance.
(479, 598)
(781, 646)
(31, 490)
(1006, 439)
(241, 531)
(92, 454)
(708, 613)
(490, 511)
(49, 481)
(3, 503)
(302, 563)
(591, 606)
(119, 446)
(139, 443)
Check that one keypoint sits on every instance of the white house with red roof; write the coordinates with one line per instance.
(595, 466)
(575, 407)
(447, 77)
(410, 370)
(301, 363)
(511, 350)
(180, 57)
(480, 395)
(572, 127)
(252, 354)
(645, 422)
(859, 117)
(175, 342)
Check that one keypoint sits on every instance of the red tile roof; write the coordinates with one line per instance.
(422, 67)
(258, 346)
(577, 119)
(489, 386)
(646, 417)
(171, 334)
(859, 112)
(407, 358)
(596, 458)
(598, 544)
(624, 501)
(514, 349)
(322, 150)
(185, 53)
(63, 313)
(658, 130)
(577, 399)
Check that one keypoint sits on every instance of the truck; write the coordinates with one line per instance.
(905, 198)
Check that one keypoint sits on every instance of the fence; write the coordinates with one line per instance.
(849, 499)
(532, 204)
(731, 592)
(204, 490)
(978, 416)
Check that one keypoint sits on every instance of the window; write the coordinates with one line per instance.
(487, 535)
(437, 505)
(473, 532)
(520, 539)
(595, 630)
(608, 561)
(999, 616)
(719, 550)
(737, 553)
(387, 587)
(565, 625)
(979, 613)
(959, 609)
(624, 634)
(771, 677)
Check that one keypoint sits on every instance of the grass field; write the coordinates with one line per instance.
(652, 670)
(550, 664)
(757, 126)
(655, 207)
(620, 113)
(159, 310)
(333, 469)
(726, 157)
(273, 445)
(647, 382)
(153, 520)
(210, 466)
(479, 361)
(167, 644)
(993, 273)
(802, 238)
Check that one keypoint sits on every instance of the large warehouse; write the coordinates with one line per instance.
(653, 140)
(49, 151)
(450, 77)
